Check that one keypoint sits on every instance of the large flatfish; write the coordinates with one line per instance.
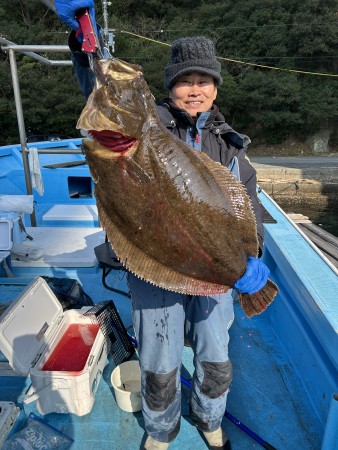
(174, 217)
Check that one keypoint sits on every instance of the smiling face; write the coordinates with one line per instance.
(194, 92)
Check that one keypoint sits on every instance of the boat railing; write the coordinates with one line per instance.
(56, 152)
(31, 51)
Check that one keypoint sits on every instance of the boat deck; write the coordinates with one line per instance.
(266, 394)
(285, 365)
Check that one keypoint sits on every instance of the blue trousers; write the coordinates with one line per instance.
(162, 320)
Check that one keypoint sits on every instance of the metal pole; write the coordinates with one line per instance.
(10, 44)
(57, 152)
(108, 36)
(105, 20)
(38, 48)
(21, 125)
(30, 50)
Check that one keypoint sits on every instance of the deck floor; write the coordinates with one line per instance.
(266, 394)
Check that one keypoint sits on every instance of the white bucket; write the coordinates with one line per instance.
(126, 381)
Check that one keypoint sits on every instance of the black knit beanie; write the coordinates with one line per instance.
(192, 54)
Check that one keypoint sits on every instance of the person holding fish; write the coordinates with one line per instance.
(173, 307)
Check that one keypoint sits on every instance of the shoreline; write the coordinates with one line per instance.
(293, 185)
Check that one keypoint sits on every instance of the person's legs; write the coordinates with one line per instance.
(158, 318)
(207, 322)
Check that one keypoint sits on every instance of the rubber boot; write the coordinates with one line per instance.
(217, 439)
(152, 444)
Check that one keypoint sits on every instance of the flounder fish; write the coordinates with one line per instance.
(174, 217)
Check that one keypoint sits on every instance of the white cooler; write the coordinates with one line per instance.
(11, 229)
(63, 352)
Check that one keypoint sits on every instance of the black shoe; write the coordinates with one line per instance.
(217, 437)
(226, 446)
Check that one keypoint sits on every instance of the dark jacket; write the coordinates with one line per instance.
(220, 142)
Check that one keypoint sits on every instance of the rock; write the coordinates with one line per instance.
(319, 142)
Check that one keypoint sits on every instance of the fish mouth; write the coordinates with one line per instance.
(113, 140)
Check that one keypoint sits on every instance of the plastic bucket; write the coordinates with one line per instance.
(126, 381)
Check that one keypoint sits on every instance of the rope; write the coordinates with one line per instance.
(280, 68)
(238, 61)
(143, 37)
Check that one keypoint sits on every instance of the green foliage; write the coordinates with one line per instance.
(267, 104)
(271, 103)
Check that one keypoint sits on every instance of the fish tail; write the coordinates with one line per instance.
(258, 302)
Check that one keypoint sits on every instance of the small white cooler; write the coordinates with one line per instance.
(12, 229)
(63, 352)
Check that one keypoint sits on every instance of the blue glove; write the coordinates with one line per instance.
(255, 277)
(66, 10)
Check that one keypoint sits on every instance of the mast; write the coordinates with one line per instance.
(108, 36)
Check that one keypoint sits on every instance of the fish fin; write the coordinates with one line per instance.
(150, 269)
(223, 176)
(228, 182)
(258, 302)
(226, 179)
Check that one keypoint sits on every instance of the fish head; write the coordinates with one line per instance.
(119, 110)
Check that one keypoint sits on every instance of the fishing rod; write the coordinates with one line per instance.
(229, 416)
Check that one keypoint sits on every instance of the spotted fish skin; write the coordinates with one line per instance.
(173, 216)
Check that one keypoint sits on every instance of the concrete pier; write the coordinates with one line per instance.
(312, 185)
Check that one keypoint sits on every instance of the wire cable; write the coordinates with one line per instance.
(262, 66)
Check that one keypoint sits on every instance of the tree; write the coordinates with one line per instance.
(269, 105)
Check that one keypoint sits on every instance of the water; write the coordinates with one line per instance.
(72, 351)
(325, 217)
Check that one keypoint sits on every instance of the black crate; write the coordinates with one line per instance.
(120, 346)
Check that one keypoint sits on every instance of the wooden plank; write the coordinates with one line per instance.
(298, 217)
(322, 244)
(325, 235)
